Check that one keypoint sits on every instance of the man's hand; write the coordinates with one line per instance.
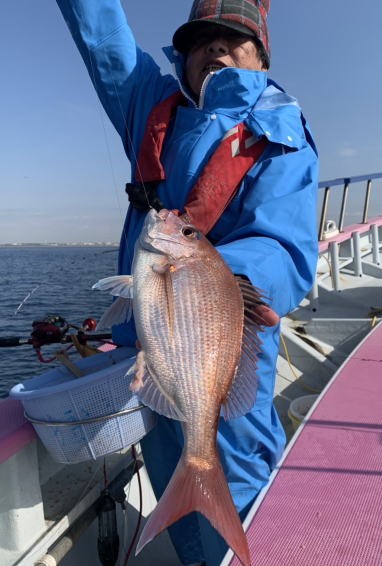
(255, 308)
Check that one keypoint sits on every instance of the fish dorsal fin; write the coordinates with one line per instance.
(254, 305)
(242, 395)
(153, 396)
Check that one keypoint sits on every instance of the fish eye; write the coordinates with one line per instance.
(189, 232)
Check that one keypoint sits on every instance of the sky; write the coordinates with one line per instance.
(63, 169)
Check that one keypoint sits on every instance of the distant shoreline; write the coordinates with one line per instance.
(61, 245)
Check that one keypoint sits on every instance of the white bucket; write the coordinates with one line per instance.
(80, 419)
(299, 408)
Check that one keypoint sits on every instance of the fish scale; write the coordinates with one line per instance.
(199, 370)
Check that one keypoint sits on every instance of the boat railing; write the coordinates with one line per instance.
(346, 184)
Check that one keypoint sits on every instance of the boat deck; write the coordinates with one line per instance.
(322, 507)
(324, 504)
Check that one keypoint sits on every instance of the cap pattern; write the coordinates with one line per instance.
(251, 14)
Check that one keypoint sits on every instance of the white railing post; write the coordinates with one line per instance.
(375, 244)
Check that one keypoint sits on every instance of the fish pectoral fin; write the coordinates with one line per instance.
(153, 396)
(120, 311)
(242, 395)
(117, 285)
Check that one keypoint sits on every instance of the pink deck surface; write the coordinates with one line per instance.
(324, 507)
(107, 347)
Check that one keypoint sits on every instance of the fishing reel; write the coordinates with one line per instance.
(53, 329)
(50, 330)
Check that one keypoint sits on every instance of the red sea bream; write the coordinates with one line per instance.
(198, 335)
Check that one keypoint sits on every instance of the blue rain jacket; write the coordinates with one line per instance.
(267, 233)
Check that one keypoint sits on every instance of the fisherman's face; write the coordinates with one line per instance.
(218, 47)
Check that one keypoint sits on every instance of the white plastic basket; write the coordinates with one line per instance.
(106, 415)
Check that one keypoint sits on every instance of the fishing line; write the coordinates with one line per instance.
(89, 483)
(125, 526)
(128, 134)
(129, 137)
(140, 510)
(25, 300)
(102, 120)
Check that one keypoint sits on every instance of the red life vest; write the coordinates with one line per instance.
(238, 151)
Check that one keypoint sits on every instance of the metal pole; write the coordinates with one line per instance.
(68, 540)
(366, 204)
(357, 255)
(324, 211)
(375, 244)
(333, 250)
(343, 204)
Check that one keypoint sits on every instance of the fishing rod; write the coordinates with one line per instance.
(54, 329)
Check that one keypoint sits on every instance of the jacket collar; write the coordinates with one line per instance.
(230, 90)
(248, 96)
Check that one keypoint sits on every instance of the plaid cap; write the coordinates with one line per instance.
(246, 16)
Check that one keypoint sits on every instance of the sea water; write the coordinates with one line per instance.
(36, 281)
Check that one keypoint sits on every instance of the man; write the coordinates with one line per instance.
(266, 231)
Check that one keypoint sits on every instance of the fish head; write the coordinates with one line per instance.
(166, 233)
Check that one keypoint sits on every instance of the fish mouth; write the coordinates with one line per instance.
(151, 233)
(162, 214)
(169, 235)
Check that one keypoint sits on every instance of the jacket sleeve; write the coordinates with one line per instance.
(127, 80)
(274, 240)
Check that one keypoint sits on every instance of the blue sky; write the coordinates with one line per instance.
(63, 169)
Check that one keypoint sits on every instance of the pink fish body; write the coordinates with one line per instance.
(198, 356)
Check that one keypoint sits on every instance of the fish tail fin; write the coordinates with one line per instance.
(204, 490)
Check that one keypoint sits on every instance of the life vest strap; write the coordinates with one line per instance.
(149, 166)
(221, 177)
(218, 182)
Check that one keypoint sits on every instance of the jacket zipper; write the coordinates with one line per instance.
(203, 89)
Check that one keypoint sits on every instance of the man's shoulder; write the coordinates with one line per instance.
(277, 116)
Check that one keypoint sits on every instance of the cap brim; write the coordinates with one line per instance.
(185, 35)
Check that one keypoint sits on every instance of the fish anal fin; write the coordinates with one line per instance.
(202, 489)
